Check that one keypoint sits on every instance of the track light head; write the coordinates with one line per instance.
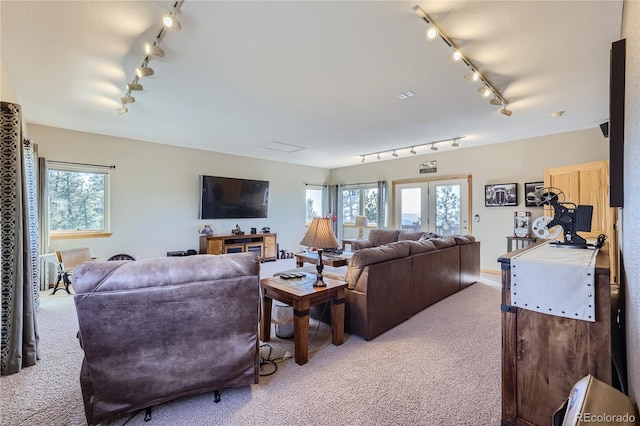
(413, 151)
(144, 72)
(153, 50)
(170, 21)
(128, 99)
(473, 76)
(433, 147)
(505, 111)
(455, 143)
(456, 55)
(394, 153)
(431, 33)
(484, 91)
(378, 156)
(362, 158)
(122, 110)
(496, 101)
(134, 86)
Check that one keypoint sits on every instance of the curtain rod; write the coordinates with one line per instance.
(360, 183)
(85, 164)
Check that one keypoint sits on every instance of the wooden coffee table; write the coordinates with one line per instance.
(327, 259)
(300, 293)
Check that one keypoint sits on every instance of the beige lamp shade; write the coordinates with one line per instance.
(320, 234)
(361, 221)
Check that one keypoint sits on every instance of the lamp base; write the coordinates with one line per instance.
(319, 283)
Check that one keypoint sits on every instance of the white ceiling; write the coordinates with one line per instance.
(323, 75)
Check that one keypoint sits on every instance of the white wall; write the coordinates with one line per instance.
(6, 88)
(154, 191)
(631, 211)
(518, 161)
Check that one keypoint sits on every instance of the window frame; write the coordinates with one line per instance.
(362, 189)
(81, 168)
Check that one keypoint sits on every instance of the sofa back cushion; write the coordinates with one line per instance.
(443, 242)
(371, 255)
(379, 237)
(412, 236)
(424, 246)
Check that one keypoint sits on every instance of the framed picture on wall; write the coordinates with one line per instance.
(501, 195)
(532, 193)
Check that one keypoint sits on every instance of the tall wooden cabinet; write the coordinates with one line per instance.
(588, 184)
(543, 355)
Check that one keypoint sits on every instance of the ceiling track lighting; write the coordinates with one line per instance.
(474, 75)
(134, 86)
(151, 50)
(411, 148)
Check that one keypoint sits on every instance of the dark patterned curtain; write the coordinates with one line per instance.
(19, 335)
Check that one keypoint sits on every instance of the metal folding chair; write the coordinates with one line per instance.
(67, 261)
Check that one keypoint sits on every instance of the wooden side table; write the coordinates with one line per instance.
(301, 294)
(348, 242)
(327, 259)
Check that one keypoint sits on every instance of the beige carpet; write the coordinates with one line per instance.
(441, 367)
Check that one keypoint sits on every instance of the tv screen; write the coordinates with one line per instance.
(230, 198)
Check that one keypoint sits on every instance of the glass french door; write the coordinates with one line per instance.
(438, 206)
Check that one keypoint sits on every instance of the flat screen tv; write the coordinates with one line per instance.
(231, 198)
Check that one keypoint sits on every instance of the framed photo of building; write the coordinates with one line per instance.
(501, 195)
(532, 193)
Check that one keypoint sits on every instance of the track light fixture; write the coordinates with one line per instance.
(169, 20)
(411, 148)
(431, 33)
(485, 91)
(506, 112)
(151, 50)
(144, 72)
(474, 74)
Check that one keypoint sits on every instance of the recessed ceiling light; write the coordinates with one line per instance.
(557, 114)
(405, 95)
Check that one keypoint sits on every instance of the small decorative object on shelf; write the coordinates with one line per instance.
(205, 230)
(522, 224)
(237, 230)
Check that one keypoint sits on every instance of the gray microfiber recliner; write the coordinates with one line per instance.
(159, 329)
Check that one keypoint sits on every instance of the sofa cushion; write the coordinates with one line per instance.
(464, 239)
(360, 244)
(369, 256)
(423, 246)
(443, 242)
(379, 237)
(412, 236)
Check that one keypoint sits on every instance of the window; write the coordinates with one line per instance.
(78, 200)
(360, 202)
(314, 202)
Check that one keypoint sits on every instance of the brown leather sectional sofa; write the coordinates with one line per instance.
(391, 281)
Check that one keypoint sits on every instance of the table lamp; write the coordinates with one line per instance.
(360, 222)
(320, 235)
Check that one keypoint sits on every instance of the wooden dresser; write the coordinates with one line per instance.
(543, 356)
(264, 245)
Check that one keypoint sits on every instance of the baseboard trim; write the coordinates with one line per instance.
(491, 271)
